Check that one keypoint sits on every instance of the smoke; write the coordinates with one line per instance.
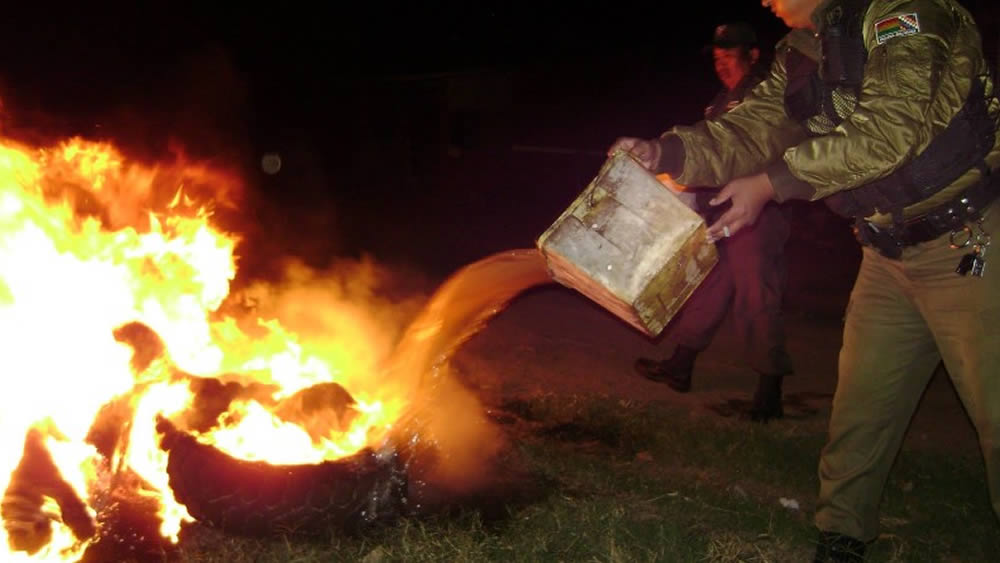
(349, 314)
(467, 443)
(130, 152)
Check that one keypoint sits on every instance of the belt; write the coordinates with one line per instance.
(945, 218)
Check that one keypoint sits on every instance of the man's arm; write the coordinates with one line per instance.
(912, 86)
(740, 142)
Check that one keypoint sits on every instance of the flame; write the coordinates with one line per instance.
(91, 243)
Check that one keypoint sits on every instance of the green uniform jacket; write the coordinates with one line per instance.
(912, 86)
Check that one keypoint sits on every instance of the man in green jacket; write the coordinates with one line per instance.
(886, 110)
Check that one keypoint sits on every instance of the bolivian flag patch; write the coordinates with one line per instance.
(896, 26)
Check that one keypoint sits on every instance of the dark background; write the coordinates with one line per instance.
(427, 133)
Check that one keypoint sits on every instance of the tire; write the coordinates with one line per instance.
(255, 497)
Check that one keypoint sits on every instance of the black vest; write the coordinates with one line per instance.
(822, 95)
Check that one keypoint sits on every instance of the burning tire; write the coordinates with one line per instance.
(255, 497)
(27, 523)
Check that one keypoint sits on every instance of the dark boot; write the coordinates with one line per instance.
(838, 548)
(767, 399)
(675, 371)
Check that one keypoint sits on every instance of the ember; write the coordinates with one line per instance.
(141, 395)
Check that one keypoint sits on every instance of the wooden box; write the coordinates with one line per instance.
(630, 244)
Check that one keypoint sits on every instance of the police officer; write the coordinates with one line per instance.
(886, 110)
(749, 278)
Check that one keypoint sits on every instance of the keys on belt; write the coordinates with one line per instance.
(975, 261)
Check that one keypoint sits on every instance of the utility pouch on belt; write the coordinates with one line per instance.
(878, 238)
(948, 217)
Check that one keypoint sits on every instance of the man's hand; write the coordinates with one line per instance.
(748, 195)
(646, 152)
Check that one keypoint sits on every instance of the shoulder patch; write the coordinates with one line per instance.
(899, 25)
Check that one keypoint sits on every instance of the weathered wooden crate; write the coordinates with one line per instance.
(630, 244)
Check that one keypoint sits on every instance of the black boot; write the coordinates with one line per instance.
(675, 371)
(767, 399)
(838, 548)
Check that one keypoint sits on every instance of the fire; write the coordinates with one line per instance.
(113, 281)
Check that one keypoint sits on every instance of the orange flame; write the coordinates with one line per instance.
(89, 243)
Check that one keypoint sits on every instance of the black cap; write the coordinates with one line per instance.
(735, 34)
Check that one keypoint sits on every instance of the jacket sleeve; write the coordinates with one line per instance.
(740, 142)
(912, 86)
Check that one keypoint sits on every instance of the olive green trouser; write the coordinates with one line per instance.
(903, 317)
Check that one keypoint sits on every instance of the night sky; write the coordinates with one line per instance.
(428, 133)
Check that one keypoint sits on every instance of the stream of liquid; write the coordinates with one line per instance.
(445, 418)
(461, 307)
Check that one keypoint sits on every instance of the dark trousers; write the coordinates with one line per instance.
(749, 280)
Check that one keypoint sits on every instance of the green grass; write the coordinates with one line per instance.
(613, 481)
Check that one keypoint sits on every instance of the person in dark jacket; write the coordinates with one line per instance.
(749, 279)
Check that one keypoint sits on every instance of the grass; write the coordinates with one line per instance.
(614, 481)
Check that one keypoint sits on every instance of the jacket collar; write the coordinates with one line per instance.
(832, 12)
